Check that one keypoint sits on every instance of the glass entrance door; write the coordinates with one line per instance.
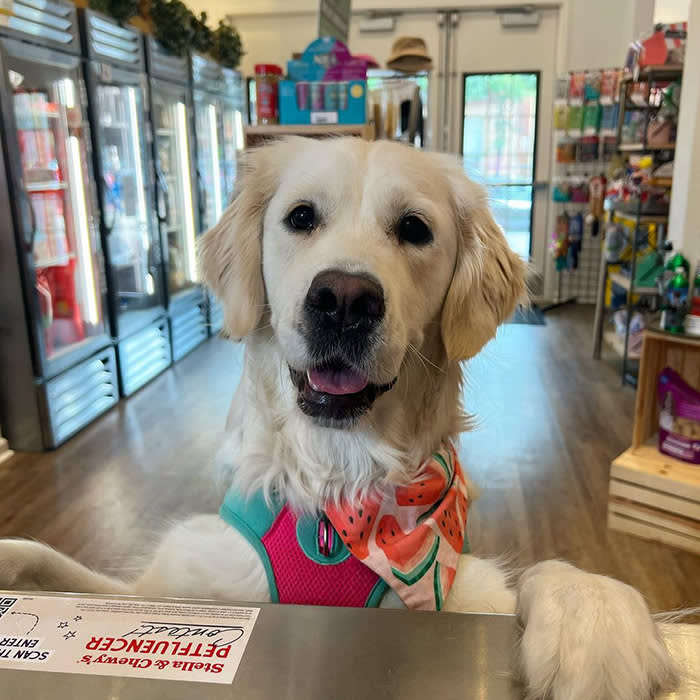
(133, 257)
(52, 138)
(498, 147)
(174, 172)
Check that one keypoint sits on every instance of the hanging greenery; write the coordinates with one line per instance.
(121, 10)
(179, 30)
(172, 24)
(202, 36)
(228, 47)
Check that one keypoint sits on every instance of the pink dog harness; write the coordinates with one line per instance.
(353, 553)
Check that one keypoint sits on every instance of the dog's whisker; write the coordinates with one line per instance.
(414, 349)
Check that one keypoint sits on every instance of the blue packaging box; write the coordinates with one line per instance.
(323, 102)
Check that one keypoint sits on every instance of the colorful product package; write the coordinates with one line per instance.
(326, 86)
(575, 121)
(679, 417)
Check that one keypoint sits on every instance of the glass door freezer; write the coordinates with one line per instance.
(173, 142)
(57, 365)
(117, 86)
(219, 99)
(173, 153)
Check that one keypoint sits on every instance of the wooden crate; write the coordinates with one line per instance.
(682, 353)
(653, 495)
(656, 497)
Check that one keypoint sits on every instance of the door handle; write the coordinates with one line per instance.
(202, 196)
(165, 193)
(108, 226)
(29, 238)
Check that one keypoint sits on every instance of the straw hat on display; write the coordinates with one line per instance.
(409, 54)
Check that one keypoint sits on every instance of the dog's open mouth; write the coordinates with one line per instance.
(335, 393)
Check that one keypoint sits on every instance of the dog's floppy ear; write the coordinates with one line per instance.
(489, 278)
(230, 253)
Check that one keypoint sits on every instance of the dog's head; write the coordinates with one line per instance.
(358, 254)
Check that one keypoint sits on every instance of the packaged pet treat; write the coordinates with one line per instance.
(679, 417)
(577, 85)
(561, 115)
(608, 86)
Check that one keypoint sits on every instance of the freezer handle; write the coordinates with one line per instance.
(31, 235)
(201, 200)
(108, 226)
(164, 199)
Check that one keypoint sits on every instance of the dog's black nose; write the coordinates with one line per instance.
(344, 302)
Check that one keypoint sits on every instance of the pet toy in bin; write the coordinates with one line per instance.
(679, 417)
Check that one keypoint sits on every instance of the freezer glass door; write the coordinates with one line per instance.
(175, 186)
(62, 237)
(233, 143)
(133, 257)
(210, 159)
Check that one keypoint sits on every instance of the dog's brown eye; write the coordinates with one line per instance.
(302, 218)
(412, 229)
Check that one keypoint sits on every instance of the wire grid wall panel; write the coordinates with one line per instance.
(581, 283)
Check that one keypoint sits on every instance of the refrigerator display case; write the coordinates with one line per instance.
(119, 110)
(219, 108)
(57, 362)
(171, 107)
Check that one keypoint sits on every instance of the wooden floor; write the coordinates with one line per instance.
(550, 421)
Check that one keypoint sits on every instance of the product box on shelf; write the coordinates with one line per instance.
(322, 102)
(327, 85)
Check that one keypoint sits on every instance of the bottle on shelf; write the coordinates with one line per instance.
(676, 300)
(692, 320)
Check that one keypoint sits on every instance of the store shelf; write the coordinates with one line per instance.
(668, 71)
(641, 148)
(617, 343)
(641, 107)
(661, 182)
(58, 261)
(52, 186)
(623, 281)
(643, 218)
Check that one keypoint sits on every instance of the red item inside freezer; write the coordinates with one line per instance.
(50, 240)
(35, 114)
(60, 311)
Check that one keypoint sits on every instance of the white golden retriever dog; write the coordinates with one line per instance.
(360, 275)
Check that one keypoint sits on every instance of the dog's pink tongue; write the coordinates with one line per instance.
(338, 382)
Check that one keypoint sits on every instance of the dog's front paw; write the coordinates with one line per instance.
(17, 564)
(588, 637)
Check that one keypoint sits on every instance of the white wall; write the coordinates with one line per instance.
(599, 31)
(684, 223)
(671, 10)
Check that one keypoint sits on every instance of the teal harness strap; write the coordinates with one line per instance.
(255, 519)
(252, 517)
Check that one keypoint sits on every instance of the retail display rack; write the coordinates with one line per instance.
(584, 140)
(635, 217)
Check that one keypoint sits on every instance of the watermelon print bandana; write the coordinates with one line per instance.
(413, 538)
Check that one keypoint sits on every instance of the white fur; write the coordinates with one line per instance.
(585, 636)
